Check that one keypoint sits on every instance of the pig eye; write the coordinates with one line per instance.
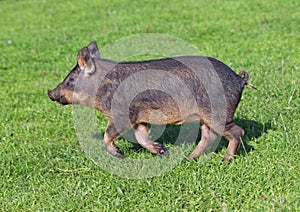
(71, 82)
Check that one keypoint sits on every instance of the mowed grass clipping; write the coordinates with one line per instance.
(43, 167)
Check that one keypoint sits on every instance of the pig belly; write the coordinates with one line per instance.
(161, 116)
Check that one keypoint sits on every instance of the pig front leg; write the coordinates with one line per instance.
(141, 133)
(111, 133)
(207, 138)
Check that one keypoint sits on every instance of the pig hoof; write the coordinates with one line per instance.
(119, 155)
(161, 149)
(227, 159)
(114, 151)
(192, 157)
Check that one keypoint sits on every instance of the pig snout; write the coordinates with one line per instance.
(54, 95)
(61, 96)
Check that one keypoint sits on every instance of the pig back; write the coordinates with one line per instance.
(209, 80)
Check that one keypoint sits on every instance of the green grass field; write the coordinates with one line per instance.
(42, 165)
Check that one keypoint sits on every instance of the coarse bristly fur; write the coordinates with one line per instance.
(82, 86)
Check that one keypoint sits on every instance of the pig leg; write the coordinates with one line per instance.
(233, 133)
(207, 138)
(141, 133)
(110, 135)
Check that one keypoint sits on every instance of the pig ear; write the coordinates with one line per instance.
(93, 50)
(85, 61)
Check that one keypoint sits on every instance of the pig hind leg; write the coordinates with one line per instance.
(207, 138)
(141, 133)
(233, 133)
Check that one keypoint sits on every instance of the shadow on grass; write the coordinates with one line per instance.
(253, 129)
(168, 135)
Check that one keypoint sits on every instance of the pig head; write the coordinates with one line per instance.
(74, 89)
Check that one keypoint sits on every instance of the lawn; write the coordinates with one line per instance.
(44, 167)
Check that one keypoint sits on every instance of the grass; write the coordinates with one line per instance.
(42, 166)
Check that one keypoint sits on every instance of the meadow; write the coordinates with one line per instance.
(42, 165)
